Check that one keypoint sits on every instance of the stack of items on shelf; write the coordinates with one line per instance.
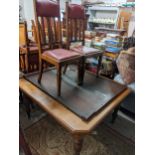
(110, 43)
(89, 36)
(93, 39)
(113, 45)
(107, 3)
(103, 20)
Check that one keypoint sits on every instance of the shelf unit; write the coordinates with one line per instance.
(102, 16)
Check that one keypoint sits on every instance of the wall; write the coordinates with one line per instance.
(28, 11)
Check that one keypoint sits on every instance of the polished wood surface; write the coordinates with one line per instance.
(65, 117)
(85, 101)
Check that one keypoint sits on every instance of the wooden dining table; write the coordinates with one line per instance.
(75, 125)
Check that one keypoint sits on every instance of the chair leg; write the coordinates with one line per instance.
(99, 65)
(65, 68)
(20, 97)
(27, 103)
(41, 71)
(59, 80)
(26, 65)
(80, 72)
(115, 114)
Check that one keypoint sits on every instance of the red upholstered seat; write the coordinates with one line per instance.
(60, 54)
(83, 50)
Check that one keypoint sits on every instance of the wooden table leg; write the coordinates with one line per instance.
(27, 103)
(115, 114)
(78, 142)
(41, 66)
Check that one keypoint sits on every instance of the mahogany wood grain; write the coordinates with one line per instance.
(65, 117)
(74, 124)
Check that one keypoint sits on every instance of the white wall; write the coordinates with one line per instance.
(28, 11)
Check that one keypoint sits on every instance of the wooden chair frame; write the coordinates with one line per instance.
(75, 29)
(47, 29)
(23, 40)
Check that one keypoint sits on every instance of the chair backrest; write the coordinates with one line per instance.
(34, 31)
(48, 24)
(23, 35)
(75, 23)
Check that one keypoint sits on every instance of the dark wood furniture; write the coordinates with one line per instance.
(48, 25)
(74, 124)
(75, 30)
(88, 99)
(121, 32)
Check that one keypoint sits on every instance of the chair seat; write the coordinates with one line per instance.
(60, 54)
(83, 50)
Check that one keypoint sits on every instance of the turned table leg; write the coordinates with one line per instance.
(78, 142)
(115, 114)
(27, 103)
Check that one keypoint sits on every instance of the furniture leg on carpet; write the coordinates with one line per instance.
(78, 142)
(115, 114)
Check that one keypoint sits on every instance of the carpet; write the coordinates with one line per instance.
(47, 137)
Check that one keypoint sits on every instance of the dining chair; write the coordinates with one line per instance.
(23, 41)
(48, 25)
(75, 30)
(28, 50)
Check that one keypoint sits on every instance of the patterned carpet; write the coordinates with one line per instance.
(47, 137)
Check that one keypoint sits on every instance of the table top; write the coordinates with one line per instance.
(64, 116)
(86, 100)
